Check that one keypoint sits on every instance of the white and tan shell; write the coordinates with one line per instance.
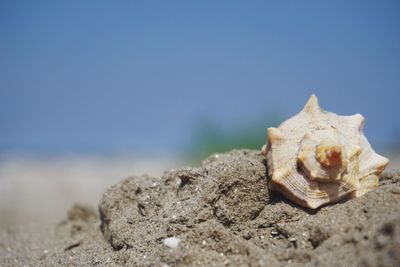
(318, 157)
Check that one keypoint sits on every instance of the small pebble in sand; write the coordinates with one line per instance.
(172, 242)
(274, 232)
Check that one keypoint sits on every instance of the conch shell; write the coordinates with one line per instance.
(318, 157)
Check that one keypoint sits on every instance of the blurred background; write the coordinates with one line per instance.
(95, 91)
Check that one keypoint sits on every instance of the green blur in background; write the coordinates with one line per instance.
(210, 138)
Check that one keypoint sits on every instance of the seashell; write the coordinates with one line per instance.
(318, 157)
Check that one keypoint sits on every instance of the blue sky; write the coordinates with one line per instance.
(78, 76)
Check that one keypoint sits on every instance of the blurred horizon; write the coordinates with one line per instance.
(175, 77)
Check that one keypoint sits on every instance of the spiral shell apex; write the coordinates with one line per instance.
(318, 157)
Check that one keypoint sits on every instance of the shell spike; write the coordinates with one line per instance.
(275, 134)
(358, 120)
(312, 104)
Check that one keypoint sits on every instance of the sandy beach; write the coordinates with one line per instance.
(218, 214)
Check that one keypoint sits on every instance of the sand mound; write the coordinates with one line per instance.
(221, 214)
